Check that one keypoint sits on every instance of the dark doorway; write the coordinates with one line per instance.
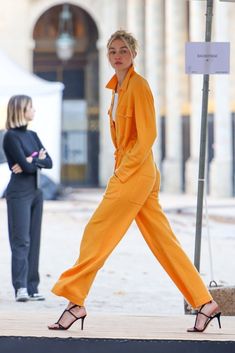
(79, 125)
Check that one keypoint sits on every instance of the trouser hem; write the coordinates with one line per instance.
(202, 301)
(70, 297)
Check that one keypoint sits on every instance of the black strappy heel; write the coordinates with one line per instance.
(209, 319)
(61, 327)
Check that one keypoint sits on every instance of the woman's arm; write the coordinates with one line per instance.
(43, 160)
(14, 150)
(146, 132)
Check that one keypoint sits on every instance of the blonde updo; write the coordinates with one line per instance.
(127, 38)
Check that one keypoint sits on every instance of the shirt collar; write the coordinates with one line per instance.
(113, 82)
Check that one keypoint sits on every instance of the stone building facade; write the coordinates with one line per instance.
(28, 31)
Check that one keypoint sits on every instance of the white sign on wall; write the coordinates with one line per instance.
(207, 57)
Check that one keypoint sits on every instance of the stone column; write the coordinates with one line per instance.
(122, 14)
(221, 166)
(176, 92)
(197, 20)
(136, 24)
(232, 78)
(106, 156)
(155, 61)
(231, 23)
(92, 100)
(106, 147)
(15, 32)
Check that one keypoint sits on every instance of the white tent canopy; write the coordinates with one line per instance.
(47, 100)
(16, 80)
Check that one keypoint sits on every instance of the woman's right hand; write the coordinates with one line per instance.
(16, 169)
(42, 154)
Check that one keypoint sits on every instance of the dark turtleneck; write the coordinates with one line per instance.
(19, 143)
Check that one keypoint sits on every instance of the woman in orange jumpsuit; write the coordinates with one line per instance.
(131, 194)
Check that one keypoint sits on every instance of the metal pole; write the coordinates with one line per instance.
(203, 145)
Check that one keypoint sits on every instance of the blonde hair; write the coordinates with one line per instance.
(127, 38)
(16, 109)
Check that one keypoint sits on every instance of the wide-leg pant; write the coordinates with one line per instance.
(24, 224)
(122, 203)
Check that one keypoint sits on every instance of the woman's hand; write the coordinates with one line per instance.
(29, 159)
(16, 169)
(42, 154)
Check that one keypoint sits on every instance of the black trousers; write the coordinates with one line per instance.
(24, 223)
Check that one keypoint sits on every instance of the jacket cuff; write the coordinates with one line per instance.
(36, 161)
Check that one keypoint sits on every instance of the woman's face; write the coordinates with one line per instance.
(119, 55)
(29, 112)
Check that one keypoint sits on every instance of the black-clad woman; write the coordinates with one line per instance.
(25, 156)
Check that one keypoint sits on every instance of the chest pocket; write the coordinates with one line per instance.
(126, 129)
(125, 111)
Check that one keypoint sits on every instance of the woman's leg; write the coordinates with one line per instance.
(160, 238)
(103, 232)
(34, 249)
(18, 211)
(106, 228)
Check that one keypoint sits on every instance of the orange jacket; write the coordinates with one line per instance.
(134, 129)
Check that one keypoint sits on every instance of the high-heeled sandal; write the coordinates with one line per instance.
(209, 319)
(61, 327)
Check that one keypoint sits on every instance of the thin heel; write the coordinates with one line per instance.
(218, 318)
(82, 322)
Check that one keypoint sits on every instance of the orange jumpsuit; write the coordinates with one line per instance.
(131, 193)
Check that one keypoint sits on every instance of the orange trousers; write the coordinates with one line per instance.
(122, 203)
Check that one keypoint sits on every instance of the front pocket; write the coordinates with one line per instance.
(142, 189)
(113, 188)
(124, 116)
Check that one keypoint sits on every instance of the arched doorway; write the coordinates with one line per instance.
(80, 132)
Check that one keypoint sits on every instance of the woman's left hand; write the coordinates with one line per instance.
(29, 159)
(42, 154)
(16, 169)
